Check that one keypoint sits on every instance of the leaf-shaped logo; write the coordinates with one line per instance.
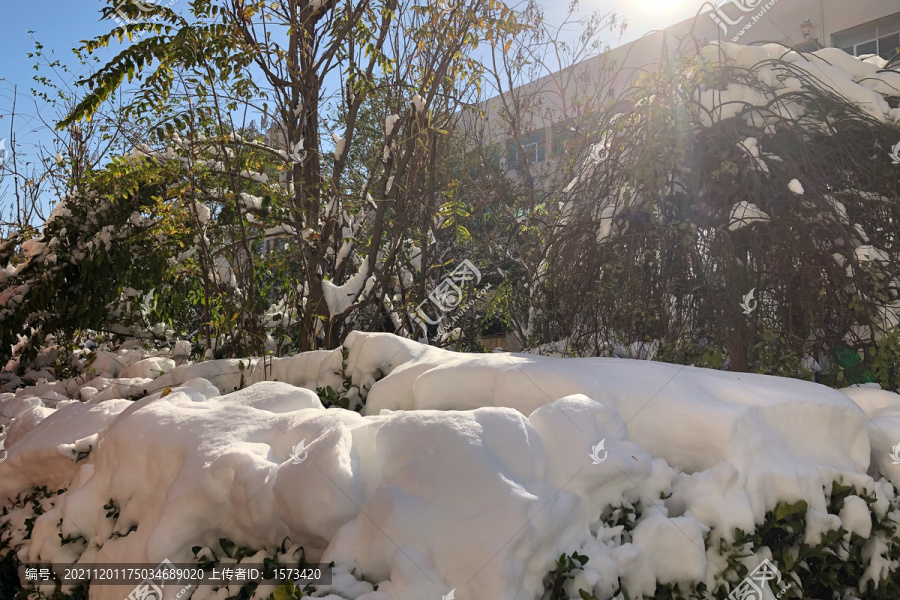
(299, 452)
(297, 153)
(595, 452)
(895, 454)
(450, 596)
(895, 154)
(599, 153)
(146, 5)
(148, 302)
(749, 304)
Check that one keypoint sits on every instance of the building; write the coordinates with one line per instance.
(556, 102)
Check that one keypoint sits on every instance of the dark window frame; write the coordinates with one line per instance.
(881, 37)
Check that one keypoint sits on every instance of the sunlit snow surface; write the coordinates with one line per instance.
(472, 472)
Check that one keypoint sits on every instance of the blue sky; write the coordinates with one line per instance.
(60, 25)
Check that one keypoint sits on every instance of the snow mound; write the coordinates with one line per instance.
(858, 81)
(466, 472)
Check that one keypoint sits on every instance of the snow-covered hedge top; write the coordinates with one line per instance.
(466, 472)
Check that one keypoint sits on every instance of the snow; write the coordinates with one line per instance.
(33, 247)
(257, 177)
(859, 81)
(338, 146)
(744, 213)
(715, 495)
(203, 212)
(657, 539)
(341, 297)
(472, 472)
(818, 524)
(148, 368)
(251, 202)
(839, 208)
(855, 517)
(389, 124)
(468, 472)
(867, 253)
(60, 210)
(751, 147)
(796, 187)
(418, 103)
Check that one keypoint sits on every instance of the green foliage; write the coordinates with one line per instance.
(351, 395)
(565, 565)
(288, 591)
(164, 39)
(878, 362)
(772, 354)
(283, 556)
(692, 353)
(36, 503)
(884, 361)
(830, 567)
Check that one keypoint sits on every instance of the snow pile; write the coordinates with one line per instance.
(466, 472)
(339, 298)
(743, 213)
(864, 83)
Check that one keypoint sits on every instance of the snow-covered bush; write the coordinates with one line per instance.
(743, 206)
(78, 271)
(480, 473)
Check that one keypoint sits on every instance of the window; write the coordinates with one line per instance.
(879, 37)
(532, 144)
(271, 245)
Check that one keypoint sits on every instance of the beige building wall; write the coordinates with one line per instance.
(559, 97)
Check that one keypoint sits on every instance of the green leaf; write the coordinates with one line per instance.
(285, 592)
(227, 547)
(786, 510)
